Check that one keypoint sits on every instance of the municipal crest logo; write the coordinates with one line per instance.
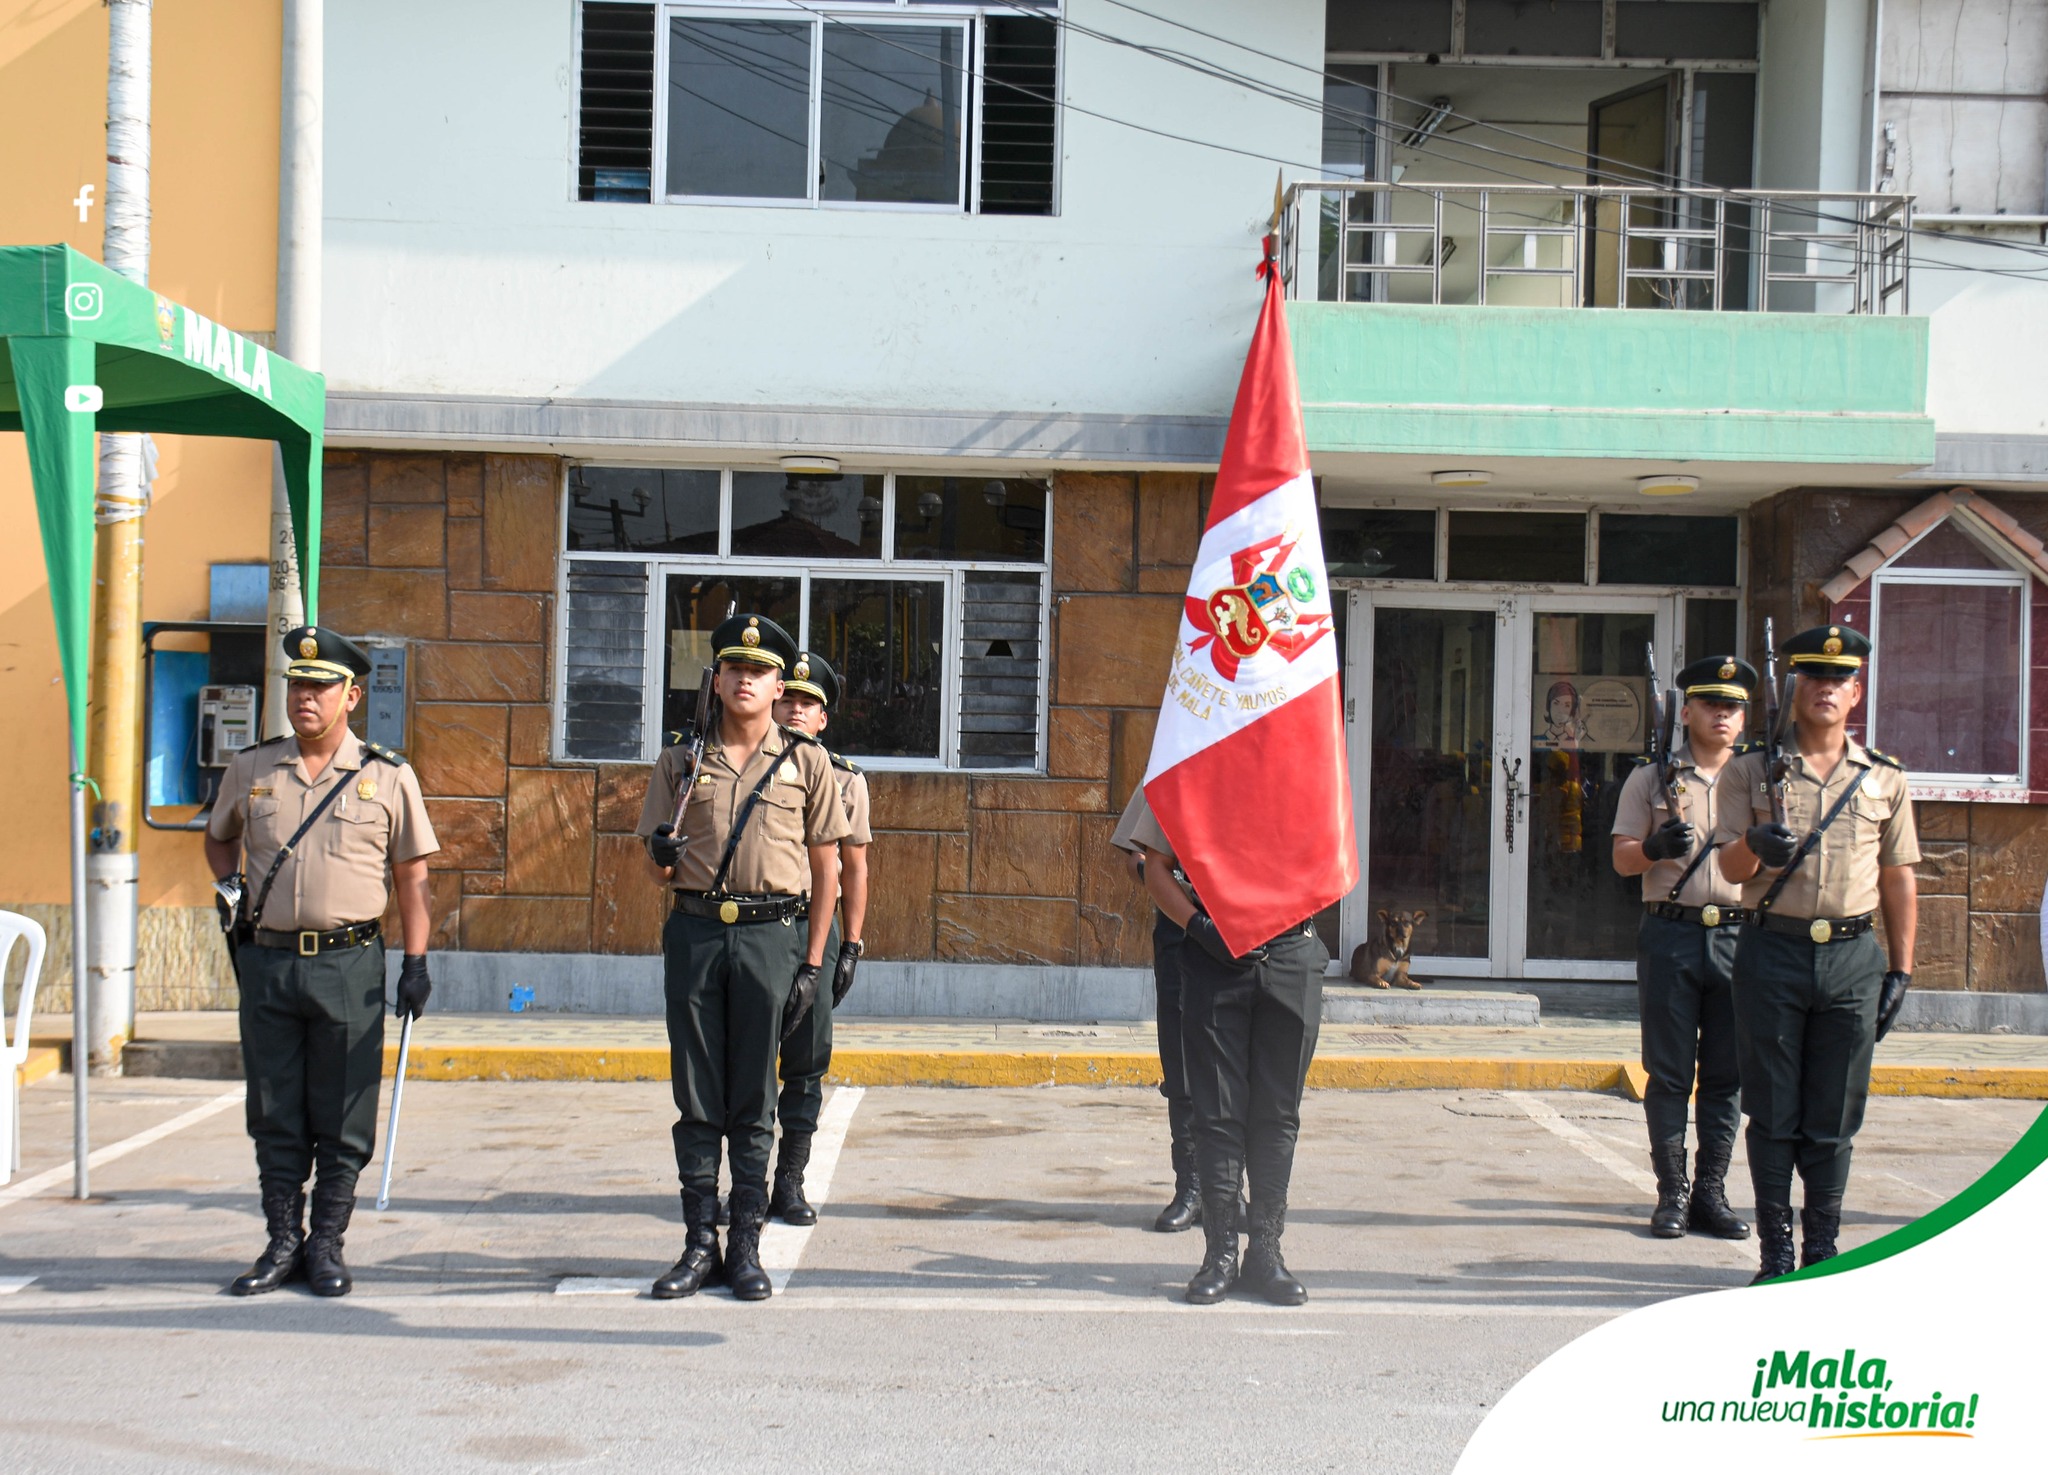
(166, 321)
(1266, 605)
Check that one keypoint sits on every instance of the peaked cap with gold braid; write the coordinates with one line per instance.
(323, 656)
(1828, 650)
(754, 640)
(813, 676)
(1719, 679)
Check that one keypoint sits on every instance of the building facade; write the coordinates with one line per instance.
(1620, 324)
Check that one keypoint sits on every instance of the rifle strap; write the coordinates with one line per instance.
(739, 825)
(256, 915)
(1812, 841)
(1697, 861)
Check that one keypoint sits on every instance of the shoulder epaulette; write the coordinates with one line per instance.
(1748, 747)
(267, 742)
(797, 737)
(1885, 758)
(1638, 760)
(672, 739)
(843, 763)
(378, 750)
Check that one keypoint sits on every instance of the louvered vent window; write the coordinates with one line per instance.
(615, 110)
(1001, 652)
(604, 669)
(1019, 115)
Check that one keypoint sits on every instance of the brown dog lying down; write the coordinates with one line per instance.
(1383, 962)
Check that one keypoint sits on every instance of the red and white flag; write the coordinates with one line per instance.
(1248, 777)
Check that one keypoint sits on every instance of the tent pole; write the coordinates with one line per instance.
(81, 1132)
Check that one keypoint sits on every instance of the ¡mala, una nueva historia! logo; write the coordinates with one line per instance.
(1833, 1397)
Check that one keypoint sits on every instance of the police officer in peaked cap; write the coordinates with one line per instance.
(1813, 990)
(749, 844)
(304, 831)
(810, 694)
(1664, 831)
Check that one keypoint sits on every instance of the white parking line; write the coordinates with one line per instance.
(30, 1187)
(1547, 1116)
(9, 1284)
(782, 1245)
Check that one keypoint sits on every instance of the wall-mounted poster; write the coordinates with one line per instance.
(1594, 714)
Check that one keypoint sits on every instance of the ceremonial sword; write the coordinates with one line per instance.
(397, 1100)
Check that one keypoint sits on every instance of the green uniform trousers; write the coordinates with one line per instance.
(1685, 997)
(725, 987)
(1806, 1024)
(807, 1054)
(313, 1054)
(1248, 1032)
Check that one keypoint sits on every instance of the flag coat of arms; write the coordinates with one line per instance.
(1248, 776)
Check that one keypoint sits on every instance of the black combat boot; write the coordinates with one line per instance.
(1774, 1241)
(1819, 1224)
(1219, 1265)
(787, 1202)
(1265, 1273)
(700, 1265)
(1185, 1212)
(743, 1270)
(283, 1259)
(326, 1275)
(1667, 1220)
(1710, 1212)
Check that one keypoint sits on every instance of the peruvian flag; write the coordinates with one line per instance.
(1248, 777)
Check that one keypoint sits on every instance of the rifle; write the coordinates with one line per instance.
(1776, 707)
(1664, 704)
(707, 713)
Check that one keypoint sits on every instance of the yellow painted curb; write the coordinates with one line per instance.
(41, 1061)
(882, 1067)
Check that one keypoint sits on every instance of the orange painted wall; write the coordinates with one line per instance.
(214, 246)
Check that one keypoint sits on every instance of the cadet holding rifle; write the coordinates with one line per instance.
(319, 815)
(1664, 831)
(809, 693)
(1819, 832)
(750, 842)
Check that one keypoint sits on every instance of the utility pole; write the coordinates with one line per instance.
(299, 205)
(113, 725)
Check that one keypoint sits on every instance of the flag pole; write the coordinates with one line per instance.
(81, 1135)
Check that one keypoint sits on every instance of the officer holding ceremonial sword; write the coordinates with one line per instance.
(1818, 830)
(1664, 829)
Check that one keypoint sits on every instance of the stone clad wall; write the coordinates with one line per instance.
(1984, 866)
(458, 554)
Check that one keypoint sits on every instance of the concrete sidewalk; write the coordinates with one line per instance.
(1580, 1056)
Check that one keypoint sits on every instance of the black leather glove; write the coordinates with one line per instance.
(413, 986)
(1671, 840)
(665, 846)
(802, 994)
(1201, 930)
(1891, 995)
(850, 954)
(1772, 844)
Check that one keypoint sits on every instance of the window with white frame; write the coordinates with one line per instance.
(892, 104)
(926, 593)
(1948, 679)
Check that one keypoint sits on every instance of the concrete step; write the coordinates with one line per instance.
(192, 1060)
(1350, 1003)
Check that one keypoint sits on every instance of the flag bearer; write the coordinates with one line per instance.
(316, 818)
(809, 693)
(1685, 948)
(1813, 991)
(754, 865)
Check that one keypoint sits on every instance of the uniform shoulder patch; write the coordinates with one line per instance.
(672, 739)
(378, 750)
(798, 738)
(270, 742)
(1885, 758)
(1745, 747)
(844, 764)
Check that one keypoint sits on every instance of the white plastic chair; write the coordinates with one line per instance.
(14, 927)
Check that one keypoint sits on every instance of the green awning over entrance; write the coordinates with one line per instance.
(89, 351)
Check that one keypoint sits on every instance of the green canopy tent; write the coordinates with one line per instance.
(87, 351)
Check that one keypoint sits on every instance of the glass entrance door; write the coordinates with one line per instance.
(1501, 728)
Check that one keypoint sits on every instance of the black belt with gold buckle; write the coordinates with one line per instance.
(1816, 929)
(311, 944)
(1706, 916)
(732, 909)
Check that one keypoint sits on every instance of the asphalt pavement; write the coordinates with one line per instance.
(983, 1289)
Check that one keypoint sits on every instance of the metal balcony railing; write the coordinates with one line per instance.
(1597, 246)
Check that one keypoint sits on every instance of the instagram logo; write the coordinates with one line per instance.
(82, 301)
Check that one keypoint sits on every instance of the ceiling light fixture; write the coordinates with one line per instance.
(1428, 123)
(1666, 484)
(1460, 478)
(810, 465)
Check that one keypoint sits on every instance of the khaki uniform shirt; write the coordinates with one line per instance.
(1138, 827)
(338, 873)
(800, 807)
(1642, 810)
(853, 792)
(1839, 879)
